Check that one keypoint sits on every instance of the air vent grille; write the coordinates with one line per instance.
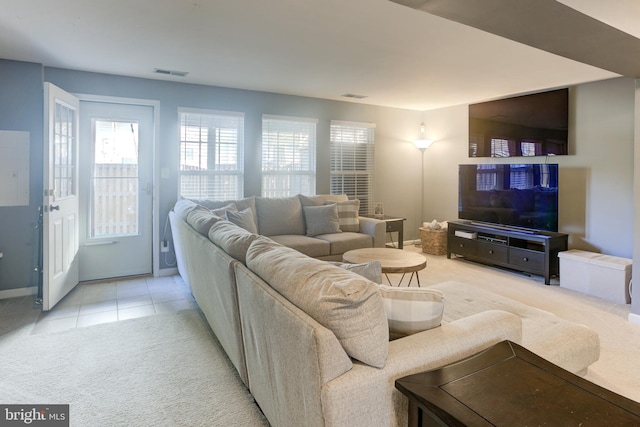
(170, 72)
(353, 95)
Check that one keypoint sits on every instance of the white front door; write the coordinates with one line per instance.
(60, 198)
(116, 176)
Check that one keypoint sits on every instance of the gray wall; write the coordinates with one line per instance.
(21, 109)
(172, 95)
(596, 180)
(596, 199)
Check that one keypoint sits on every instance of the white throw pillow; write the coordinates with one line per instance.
(348, 215)
(411, 310)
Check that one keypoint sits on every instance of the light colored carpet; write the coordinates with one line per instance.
(619, 366)
(163, 370)
(168, 370)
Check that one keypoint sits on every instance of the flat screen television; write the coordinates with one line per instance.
(523, 196)
(528, 125)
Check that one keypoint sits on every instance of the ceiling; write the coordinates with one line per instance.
(394, 55)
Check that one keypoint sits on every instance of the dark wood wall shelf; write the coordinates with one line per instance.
(534, 252)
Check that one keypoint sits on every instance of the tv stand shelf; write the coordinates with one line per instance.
(534, 252)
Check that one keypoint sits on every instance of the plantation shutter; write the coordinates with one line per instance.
(211, 154)
(288, 156)
(352, 154)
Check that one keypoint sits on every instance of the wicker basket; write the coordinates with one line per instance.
(434, 242)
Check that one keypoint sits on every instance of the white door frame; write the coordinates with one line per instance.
(155, 162)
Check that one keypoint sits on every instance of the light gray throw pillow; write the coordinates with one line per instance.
(321, 219)
(370, 270)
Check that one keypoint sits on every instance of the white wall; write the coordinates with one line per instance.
(596, 180)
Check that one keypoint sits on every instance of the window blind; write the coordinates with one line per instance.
(211, 154)
(288, 156)
(352, 153)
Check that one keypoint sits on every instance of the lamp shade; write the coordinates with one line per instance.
(422, 144)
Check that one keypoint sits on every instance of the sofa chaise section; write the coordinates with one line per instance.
(301, 372)
(567, 344)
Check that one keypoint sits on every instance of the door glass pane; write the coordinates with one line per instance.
(114, 181)
(63, 154)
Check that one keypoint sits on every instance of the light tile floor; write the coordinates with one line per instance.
(93, 303)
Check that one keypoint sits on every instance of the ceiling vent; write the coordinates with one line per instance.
(353, 95)
(170, 72)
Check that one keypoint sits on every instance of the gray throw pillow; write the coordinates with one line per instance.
(321, 219)
(244, 219)
(369, 270)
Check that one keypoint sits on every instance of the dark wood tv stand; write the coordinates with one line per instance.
(534, 252)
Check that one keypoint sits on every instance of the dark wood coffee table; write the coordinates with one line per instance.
(507, 385)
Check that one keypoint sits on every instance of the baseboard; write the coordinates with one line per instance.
(19, 292)
(634, 318)
(167, 272)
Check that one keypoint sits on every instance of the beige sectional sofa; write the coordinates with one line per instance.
(310, 339)
(298, 222)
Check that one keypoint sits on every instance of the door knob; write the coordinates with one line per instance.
(54, 208)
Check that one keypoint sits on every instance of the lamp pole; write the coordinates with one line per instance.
(422, 145)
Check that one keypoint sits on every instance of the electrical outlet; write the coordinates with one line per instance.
(164, 246)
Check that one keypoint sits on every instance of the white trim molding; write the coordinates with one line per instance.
(18, 292)
(634, 318)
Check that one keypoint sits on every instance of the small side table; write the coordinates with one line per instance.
(395, 224)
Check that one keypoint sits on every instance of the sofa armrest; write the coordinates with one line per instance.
(366, 396)
(375, 228)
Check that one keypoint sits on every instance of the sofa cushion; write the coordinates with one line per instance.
(222, 211)
(280, 216)
(348, 214)
(567, 344)
(321, 199)
(309, 246)
(411, 310)
(321, 219)
(244, 219)
(369, 270)
(347, 304)
(343, 242)
(183, 207)
(232, 239)
(201, 219)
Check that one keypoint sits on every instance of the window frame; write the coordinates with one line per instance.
(362, 162)
(299, 154)
(223, 146)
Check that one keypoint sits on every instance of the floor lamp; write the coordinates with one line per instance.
(422, 145)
